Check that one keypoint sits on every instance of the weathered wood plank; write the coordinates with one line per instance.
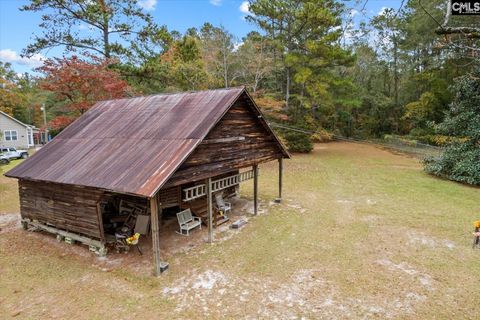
(155, 235)
(255, 189)
(66, 207)
(221, 140)
(209, 209)
(229, 152)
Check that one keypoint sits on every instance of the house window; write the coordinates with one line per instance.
(10, 135)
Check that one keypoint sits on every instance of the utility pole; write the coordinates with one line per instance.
(45, 133)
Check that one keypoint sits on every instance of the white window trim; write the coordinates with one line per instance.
(10, 135)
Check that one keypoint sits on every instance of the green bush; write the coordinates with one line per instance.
(298, 142)
(459, 162)
(461, 159)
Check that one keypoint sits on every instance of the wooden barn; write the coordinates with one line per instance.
(146, 154)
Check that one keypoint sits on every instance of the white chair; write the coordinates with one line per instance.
(225, 207)
(187, 222)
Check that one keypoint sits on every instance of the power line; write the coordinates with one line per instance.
(443, 28)
(364, 5)
(428, 13)
(273, 124)
(400, 8)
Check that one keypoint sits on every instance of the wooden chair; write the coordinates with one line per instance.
(187, 222)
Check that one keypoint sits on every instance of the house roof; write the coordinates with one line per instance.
(16, 120)
(130, 145)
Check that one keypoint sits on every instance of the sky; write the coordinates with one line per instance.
(17, 27)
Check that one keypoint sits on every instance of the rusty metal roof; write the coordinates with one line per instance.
(129, 145)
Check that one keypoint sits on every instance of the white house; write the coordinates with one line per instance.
(14, 133)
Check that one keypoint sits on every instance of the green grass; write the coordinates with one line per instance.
(8, 189)
(377, 236)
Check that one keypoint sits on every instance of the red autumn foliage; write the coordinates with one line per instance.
(60, 122)
(79, 84)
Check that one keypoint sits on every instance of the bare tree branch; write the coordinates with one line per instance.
(469, 32)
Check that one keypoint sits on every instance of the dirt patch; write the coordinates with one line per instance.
(294, 205)
(371, 219)
(305, 292)
(416, 238)
(9, 222)
(424, 279)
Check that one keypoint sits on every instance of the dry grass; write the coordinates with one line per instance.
(8, 190)
(362, 233)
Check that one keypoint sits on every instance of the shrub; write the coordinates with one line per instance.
(461, 159)
(298, 142)
(459, 162)
(322, 135)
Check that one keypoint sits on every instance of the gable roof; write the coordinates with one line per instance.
(131, 145)
(16, 120)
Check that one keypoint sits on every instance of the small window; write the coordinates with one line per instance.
(10, 135)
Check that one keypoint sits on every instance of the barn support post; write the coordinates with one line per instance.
(280, 180)
(208, 184)
(255, 189)
(159, 266)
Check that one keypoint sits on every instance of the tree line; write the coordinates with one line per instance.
(309, 64)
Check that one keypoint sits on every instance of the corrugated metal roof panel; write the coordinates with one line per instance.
(129, 145)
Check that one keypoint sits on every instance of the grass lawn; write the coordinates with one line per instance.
(8, 189)
(361, 233)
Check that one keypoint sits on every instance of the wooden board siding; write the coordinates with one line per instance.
(66, 207)
(199, 206)
(213, 158)
(170, 197)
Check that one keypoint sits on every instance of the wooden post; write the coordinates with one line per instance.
(255, 189)
(155, 235)
(208, 184)
(280, 180)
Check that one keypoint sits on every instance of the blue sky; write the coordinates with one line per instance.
(16, 27)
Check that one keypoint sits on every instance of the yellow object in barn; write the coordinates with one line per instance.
(476, 234)
(133, 239)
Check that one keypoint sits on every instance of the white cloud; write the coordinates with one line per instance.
(382, 11)
(245, 7)
(216, 2)
(237, 45)
(147, 4)
(354, 12)
(84, 26)
(8, 55)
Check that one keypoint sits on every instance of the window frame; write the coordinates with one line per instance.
(10, 136)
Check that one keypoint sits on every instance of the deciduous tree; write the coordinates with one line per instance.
(255, 59)
(78, 84)
(10, 94)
